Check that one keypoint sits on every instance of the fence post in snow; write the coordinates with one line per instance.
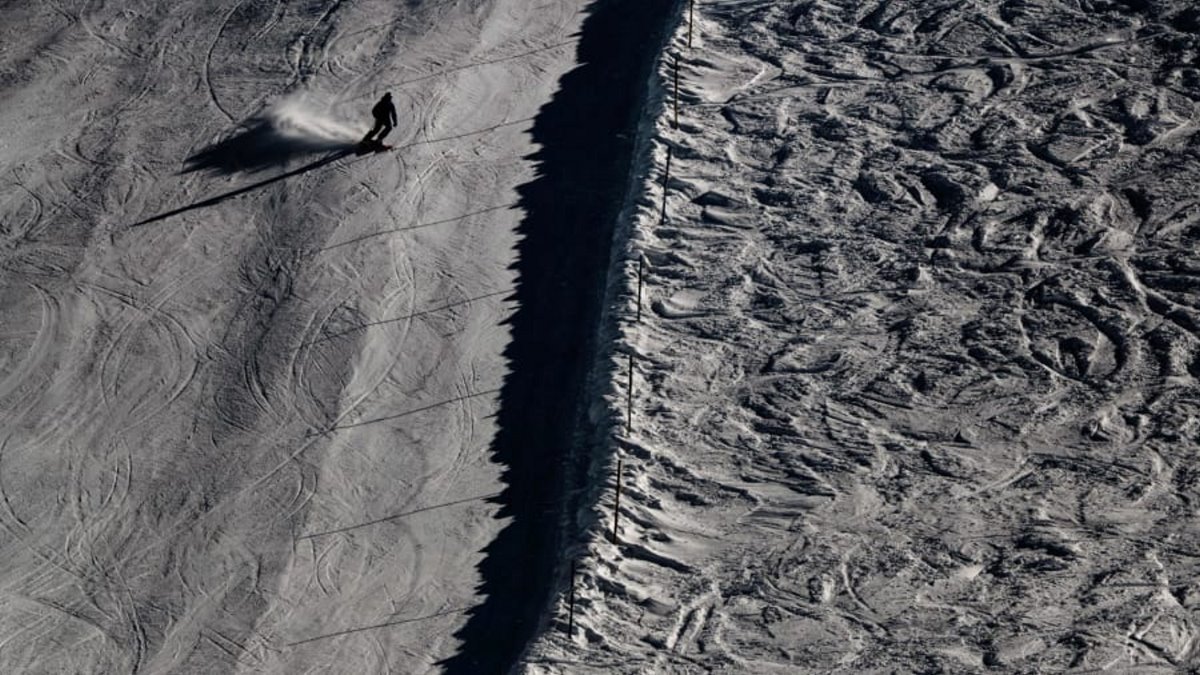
(677, 91)
(629, 399)
(667, 173)
(666, 177)
(571, 611)
(641, 271)
(617, 502)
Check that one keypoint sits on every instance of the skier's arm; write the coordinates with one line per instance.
(392, 112)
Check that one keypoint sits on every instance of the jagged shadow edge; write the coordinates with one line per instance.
(587, 136)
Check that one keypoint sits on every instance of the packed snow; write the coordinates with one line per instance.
(898, 355)
(248, 377)
(914, 385)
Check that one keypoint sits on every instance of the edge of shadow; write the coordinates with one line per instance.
(588, 137)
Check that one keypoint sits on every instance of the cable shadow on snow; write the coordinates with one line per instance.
(587, 139)
(377, 626)
(406, 317)
(396, 516)
(407, 413)
(419, 226)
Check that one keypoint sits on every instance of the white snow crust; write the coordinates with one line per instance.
(914, 388)
(246, 376)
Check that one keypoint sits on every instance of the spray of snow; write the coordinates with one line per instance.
(292, 128)
(301, 118)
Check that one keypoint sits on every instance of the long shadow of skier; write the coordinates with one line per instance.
(258, 146)
(587, 136)
(262, 145)
(212, 201)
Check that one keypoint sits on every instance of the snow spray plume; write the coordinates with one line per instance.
(297, 116)
(286, 129)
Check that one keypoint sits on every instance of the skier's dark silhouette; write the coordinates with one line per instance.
(385, 118)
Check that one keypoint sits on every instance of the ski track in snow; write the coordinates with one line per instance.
(245, 408)
(915, 383)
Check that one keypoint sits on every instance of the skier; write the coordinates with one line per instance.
(385, 118)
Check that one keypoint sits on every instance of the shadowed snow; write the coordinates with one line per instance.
(294, 127)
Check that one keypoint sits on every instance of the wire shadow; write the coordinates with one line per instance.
(424, 312)
(465, 134)
(399, 622)
(414, 411)
(382, 233)
(396, 516)
(477, 64)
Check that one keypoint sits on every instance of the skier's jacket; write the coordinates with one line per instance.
(384, 111)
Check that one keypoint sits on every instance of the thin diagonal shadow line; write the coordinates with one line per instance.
(466, 134)
(398, 515)
(445, 612)
(212, 201)
(417, 227)
(476, 64)
(414, 411)
(431, 310)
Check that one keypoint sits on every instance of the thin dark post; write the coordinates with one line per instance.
(691, 20)
(666, 177)
(629, 399)
(571, 611)
(676, 91)
(617, 503)
(641, 268)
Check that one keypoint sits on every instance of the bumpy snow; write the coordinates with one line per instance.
(247, 378)
(914, 388)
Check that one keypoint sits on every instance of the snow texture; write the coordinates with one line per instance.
(914, 387)
(248, 380)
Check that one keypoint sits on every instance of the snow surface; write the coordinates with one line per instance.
(248, 378)
(914, 388)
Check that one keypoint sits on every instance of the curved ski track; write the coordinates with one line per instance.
(184, 403)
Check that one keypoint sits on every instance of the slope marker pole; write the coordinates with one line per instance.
(641, 268)
(629, 399)
(571, 611)
(666, 177)
(667, 172)
(677, 91)
(617, 502)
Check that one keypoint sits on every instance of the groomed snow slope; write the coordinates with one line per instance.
(915, 386)
(247, 378)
